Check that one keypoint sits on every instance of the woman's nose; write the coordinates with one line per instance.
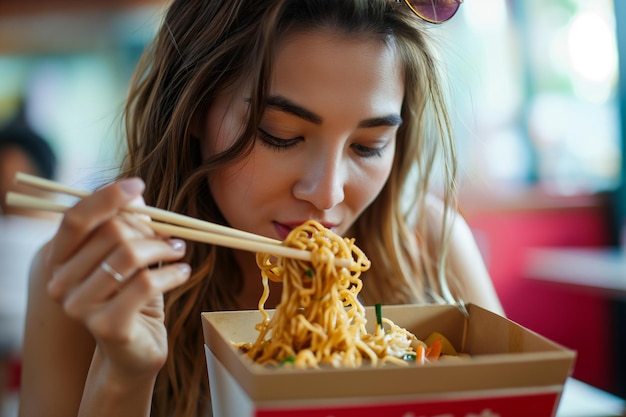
(322, 181)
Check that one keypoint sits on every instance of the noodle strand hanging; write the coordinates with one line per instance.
(320, 321)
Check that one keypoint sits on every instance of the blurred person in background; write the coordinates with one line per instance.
(22, 232)
(22, 150)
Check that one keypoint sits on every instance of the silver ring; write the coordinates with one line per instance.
(109, 270)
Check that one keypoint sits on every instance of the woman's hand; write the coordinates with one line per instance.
(125, 318)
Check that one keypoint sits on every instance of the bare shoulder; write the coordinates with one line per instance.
(464, 259)
(57, 351)
(440, 216)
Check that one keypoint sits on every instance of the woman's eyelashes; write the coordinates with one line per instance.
(369, 152)
(277, 143)
(281, 144)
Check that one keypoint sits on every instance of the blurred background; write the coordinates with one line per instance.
(539, 97)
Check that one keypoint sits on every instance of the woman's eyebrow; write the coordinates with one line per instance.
(393, 119)
(284, 104)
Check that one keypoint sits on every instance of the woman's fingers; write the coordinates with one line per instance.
(89, 213)
(119, 234)
(146, 286)
(116, 320)
(111, 276)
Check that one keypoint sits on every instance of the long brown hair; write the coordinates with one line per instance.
(205, 47)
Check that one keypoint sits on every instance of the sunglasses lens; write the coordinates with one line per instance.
(435, 10)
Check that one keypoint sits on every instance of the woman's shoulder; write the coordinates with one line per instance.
(444, 222)
(440, 218)
(446, 227)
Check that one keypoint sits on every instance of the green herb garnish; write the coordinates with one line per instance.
(379, 314)
(288, 359)
(410, 356)
(309, 272)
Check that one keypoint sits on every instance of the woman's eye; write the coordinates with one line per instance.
(367, 152)
(274, 142)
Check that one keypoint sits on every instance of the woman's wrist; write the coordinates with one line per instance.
(113, 391)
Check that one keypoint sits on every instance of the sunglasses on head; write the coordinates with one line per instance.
(434, 11)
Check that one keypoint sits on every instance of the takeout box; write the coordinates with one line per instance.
(512, 372)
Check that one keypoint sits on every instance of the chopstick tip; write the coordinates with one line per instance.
(18, 177)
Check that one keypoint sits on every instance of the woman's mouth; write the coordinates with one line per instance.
(283, 229)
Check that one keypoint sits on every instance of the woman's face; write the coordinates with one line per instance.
(326, 142)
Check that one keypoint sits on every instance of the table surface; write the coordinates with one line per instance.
(602, 269)
(583, 400)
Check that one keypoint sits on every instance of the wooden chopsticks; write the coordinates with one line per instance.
(173, 224)
(152, 212)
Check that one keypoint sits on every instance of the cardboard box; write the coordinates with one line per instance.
(512, 372)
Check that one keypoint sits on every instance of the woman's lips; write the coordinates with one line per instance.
(283, 229)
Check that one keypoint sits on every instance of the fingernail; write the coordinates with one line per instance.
(177, 244)
(132, 186)
(184, 269)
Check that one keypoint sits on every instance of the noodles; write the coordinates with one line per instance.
(320, 321)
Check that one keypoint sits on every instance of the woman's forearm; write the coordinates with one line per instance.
(111, 393)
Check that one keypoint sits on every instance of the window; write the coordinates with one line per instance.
(535, 86)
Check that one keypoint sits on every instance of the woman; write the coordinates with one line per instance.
(258, 115)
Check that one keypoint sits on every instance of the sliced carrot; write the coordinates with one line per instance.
(434, 350)
(419, 354)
